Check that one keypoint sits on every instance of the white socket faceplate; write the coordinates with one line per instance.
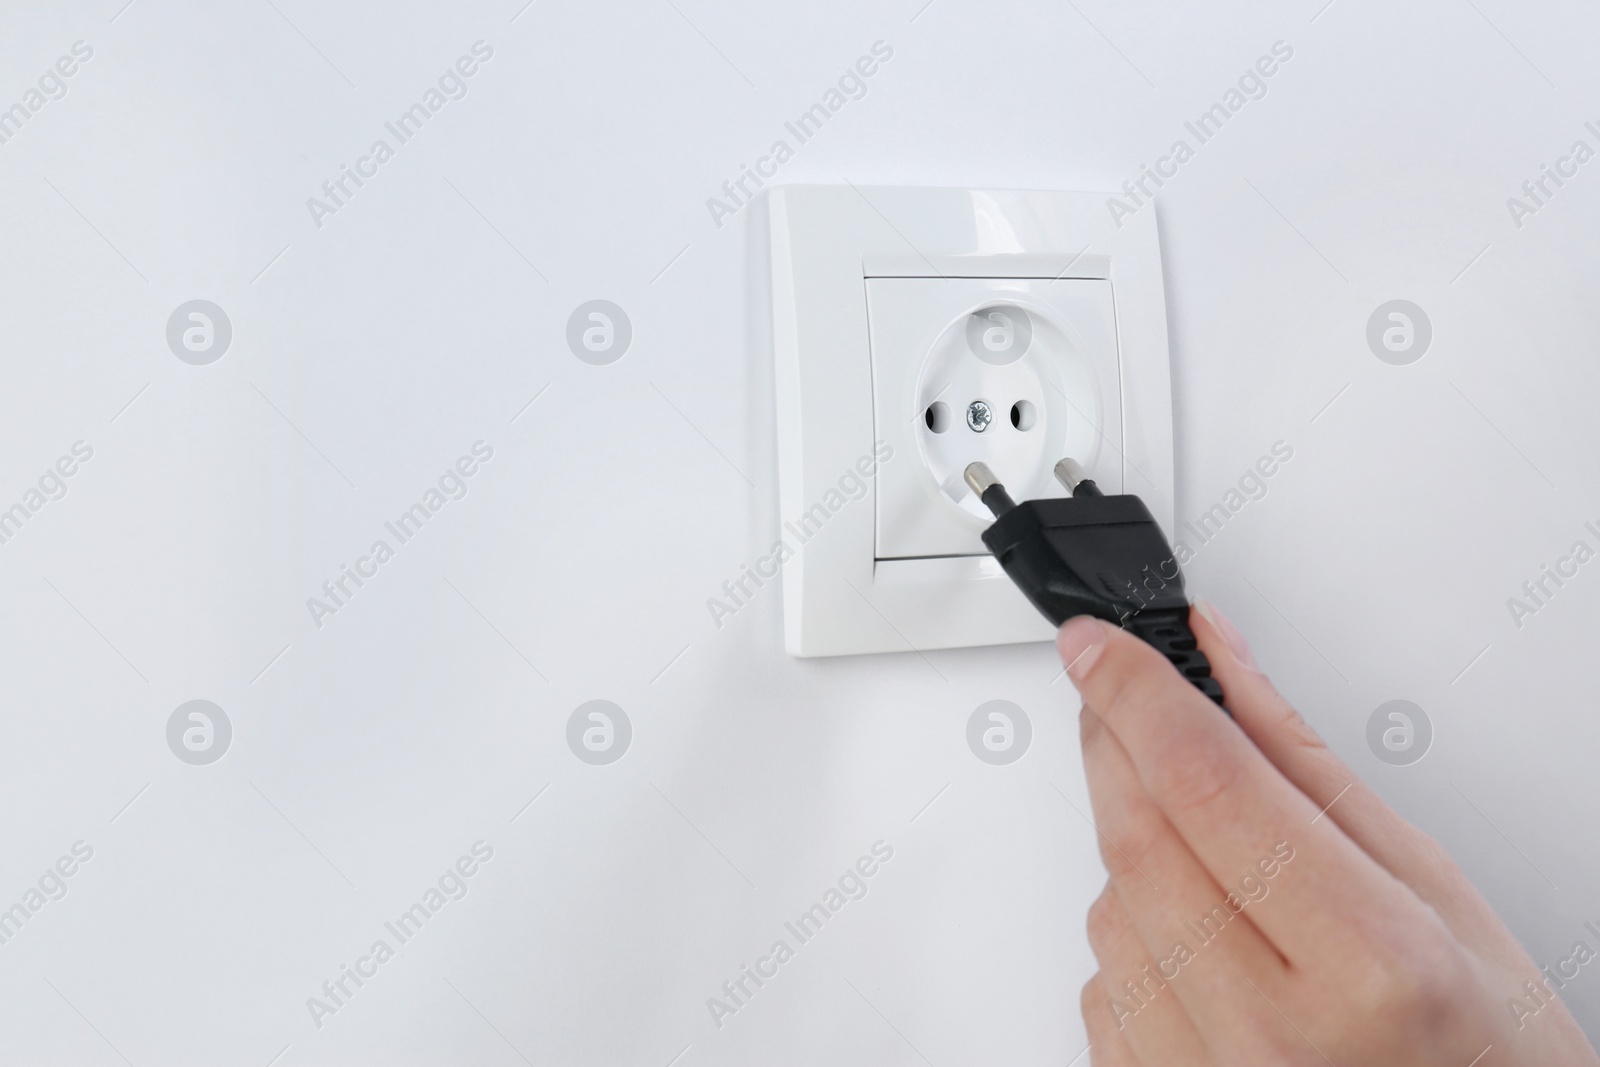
(1033, 362)
(886, 301)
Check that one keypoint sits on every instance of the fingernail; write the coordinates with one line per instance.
(1230, 633)
(1079, 642)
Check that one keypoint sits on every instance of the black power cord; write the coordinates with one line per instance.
(1092, 554)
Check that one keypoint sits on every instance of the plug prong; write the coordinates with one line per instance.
(1070, 473)
(979, 477)
(983, 482)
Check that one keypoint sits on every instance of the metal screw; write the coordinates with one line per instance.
(979, 416)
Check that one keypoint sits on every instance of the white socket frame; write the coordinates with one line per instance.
(822, 244)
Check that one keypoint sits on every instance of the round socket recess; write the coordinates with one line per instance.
(995, 387)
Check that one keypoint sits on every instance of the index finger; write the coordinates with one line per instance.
(1230, 804)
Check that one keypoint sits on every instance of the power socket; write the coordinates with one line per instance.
(887, 303)
(1014, 373)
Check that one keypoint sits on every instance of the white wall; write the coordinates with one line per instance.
(425, 314)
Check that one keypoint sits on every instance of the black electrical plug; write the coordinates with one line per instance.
(1092, 554)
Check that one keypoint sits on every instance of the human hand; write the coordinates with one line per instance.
(1264, 905)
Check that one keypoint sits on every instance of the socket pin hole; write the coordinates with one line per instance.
(937, 416)
(1024, 416)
